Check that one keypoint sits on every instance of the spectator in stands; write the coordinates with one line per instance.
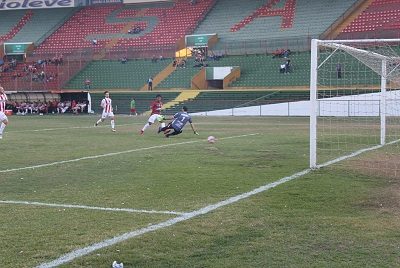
(150, 84)
(35, 77)
(182, 64)
(88, 83)
(283, 68)
(215, 56)
(154, 59)
(94, 41)
(135, 30)
(124, 60)
(174, 63)
(281, 53)
(42, 76)
(50, 77)
(278, 53)
(60, 59)
(288, 67)
(339, 71)
(13, 63)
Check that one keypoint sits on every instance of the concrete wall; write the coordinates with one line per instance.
(354, 105)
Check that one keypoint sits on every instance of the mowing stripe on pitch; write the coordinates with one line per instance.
(130, 210)
(116, 153)
(63, 128)
(187, 216)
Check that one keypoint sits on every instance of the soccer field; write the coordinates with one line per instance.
(73, 195)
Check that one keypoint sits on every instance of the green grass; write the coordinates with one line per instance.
(327, 218)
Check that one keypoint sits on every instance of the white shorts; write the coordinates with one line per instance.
(105, 115)
(155, 117)
(3, 117)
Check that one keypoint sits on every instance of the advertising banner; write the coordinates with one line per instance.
(34, 4)
(144, 1)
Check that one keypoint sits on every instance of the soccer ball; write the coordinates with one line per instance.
(160, 118)
(211, 139)
(115, 264)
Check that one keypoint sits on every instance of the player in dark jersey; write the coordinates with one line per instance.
(179, 121)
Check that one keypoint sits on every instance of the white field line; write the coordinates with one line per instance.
(116, 153)
(64, 128)
(109, 242)
(89, 207)
(187, 216)
(334, 161)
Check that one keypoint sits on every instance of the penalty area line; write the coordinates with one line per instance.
(116, 153)
(184, 217)
(130, 210)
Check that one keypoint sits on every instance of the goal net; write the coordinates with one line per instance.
(355, 104)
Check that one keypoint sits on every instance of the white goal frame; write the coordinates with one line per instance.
(338, 44)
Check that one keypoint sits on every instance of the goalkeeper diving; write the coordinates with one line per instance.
(179, 120)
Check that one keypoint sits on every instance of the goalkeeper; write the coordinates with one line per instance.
(179, 121)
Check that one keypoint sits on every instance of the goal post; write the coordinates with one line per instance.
(354, 97)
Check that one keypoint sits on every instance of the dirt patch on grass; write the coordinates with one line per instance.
(387, 167)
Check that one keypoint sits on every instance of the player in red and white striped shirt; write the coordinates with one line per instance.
(106, 104)
(3, 117)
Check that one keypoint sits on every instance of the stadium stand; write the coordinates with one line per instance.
(380, 20)
(181, 78)
(115, 75)
(11, 22)
(263, 70)
(106, 22)
(248, 21)
(286, 12)
(72, 34)
(256, 71)
(19, 78)
(216, 100)
(310, 18)
(41, 24)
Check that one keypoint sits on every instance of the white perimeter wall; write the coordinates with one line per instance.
(353, 105)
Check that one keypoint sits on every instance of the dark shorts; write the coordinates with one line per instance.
(177, 131)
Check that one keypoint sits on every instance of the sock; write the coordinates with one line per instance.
(145, 126)
(162, 125)
(2, 127)
(112, 124)
(98, 121)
